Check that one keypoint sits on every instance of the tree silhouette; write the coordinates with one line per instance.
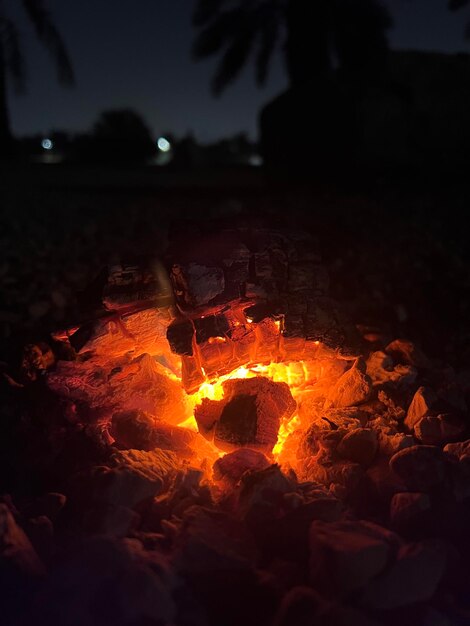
(12, 61)
(455, 5)
(315, 37)
(121, 135)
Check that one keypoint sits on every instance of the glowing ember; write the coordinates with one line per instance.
(300, 376)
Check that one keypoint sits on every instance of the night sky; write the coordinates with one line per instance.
(129, 53)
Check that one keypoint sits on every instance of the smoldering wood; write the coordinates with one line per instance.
(248, 415)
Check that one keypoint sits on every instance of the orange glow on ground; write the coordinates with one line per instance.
(301, 376)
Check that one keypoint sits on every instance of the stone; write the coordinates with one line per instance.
(133, 476)
(411, 579)
(421, 405)
(345, 556)
(390, 444)
(210, 540)
(406, 508)
(233, 465)
(420, 468)
(49, 504)
(459, 449)
(107, 581)
(405, 351)
(18, 558)
(352, 388)
(36, 360)
(303, 606)
(40, 532)
(359, 446)
(439, 429)
(383, 371)
(261, 494)
(110, 520)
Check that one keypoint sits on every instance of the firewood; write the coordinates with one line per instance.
(249, 414)
(140, 430)
(129, 285)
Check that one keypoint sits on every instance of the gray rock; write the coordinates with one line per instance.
(412, 578)
(359, 446)
(406, 508)
(211, 541)
(346, 556)
(439, 429)
(17, 555)
(459, 449)
(233, 465)
(421, 405)
(405, 351)
(134, 475)
(107, 582)
(421, 468)
(352, 388)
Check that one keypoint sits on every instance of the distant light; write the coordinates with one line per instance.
(256, 160)
(47, 144)
(163, 144)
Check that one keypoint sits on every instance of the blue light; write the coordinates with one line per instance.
(47, 144)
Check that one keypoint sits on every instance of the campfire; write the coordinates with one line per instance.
(226, 434)
(235, 345)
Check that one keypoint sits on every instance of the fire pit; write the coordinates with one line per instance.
(227, 448)
(221, 353)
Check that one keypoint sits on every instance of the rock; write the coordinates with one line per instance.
(36, 360)
(359, 446)
(421, 468)
(390, 444)
(210, 541)
(50, 505)
(107, 581)
(287, 536)
(421, 405)
(110, 520)
(346, 556)
(303, 606)
(412, 578)
(185, 491)
(352, 388)
(439, 429)
(459, 449)
(261, 495)
(233, 465)
(18, 558)
(406, 509)
(300, 606)
(41, 534)
(381, 369)
(405, 351)
(134, 476)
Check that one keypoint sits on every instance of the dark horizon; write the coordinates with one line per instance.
(130, 68)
